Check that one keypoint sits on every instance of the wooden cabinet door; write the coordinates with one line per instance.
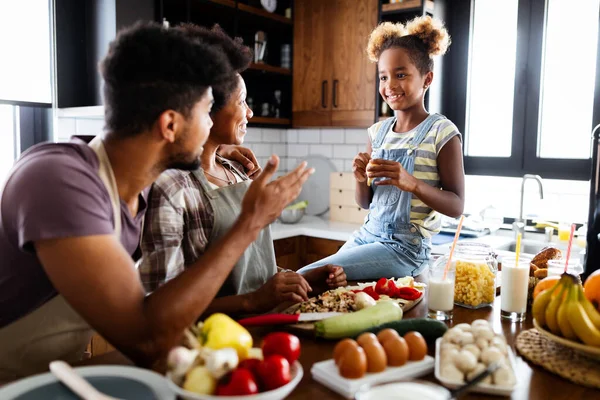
(353, 86)
(312, 84)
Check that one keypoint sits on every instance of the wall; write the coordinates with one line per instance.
(566, 201)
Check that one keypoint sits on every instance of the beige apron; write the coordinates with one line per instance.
(53, 331)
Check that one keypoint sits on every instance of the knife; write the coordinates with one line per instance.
(283, 319)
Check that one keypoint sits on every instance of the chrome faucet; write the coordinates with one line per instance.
(519, 224)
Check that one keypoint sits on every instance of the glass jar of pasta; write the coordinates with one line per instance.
(476, 268)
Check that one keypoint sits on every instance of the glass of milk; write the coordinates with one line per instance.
(514, 284)
(440, 290)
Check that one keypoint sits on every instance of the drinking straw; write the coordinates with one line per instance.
(456, 235)
(569, 246)
(518, 249)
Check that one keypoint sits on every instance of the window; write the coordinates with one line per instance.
(8, 139)
(523, 85)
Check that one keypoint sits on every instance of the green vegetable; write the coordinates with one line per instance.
(298, 206)
(348, 325)
(429, 328)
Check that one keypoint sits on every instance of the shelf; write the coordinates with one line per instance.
(406, 5)
(227, 3)
(269, 121)
(264, 13)
(270, 68)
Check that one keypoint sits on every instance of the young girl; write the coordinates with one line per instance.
(412, 169)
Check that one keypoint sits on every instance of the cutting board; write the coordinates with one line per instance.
(308, 328)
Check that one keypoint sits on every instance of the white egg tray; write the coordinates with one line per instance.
(326, 373)
(480, 387)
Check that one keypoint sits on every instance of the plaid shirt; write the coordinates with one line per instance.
(178, 225)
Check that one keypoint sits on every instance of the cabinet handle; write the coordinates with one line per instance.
(323, 94)
(334, 97)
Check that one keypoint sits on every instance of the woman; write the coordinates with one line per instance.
(190, 211)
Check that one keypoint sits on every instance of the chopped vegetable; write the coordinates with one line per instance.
(363, 300)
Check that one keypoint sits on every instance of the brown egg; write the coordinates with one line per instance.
(376, 358)
(396, 350)
(386, 334)
(417, 347)
(353, 363)
(341, 348)
(365, 338)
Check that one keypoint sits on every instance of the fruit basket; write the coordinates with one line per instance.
(590, 351)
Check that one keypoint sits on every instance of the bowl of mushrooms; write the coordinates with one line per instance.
(466, 350)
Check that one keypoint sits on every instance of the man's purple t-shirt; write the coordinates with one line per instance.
(53, 191)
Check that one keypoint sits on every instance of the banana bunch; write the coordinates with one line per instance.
(564, 311)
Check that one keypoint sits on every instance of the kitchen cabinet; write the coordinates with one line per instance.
(296, 252)
(334, 82)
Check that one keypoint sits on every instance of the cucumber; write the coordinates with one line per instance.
(429, 328)
(349, 325)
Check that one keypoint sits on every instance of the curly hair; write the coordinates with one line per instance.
(423, 38)
(239, 57)
(150, 69)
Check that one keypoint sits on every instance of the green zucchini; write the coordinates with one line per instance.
(431, 329)
(348, 325)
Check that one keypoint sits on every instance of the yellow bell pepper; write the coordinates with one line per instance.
(220, 331)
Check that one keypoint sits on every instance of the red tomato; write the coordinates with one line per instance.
(274, 372)
(251, 364)
(241, 382)
(283, 344)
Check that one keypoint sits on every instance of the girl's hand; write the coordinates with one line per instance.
(394, 172)
(359, 166)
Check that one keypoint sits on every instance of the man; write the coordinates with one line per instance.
(71, 214)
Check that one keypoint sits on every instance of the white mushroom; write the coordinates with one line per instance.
(479, 368)
(453, 335)
(491, 355)
(504, 376)
(466, 338)
(464, 327)
(465, 361)
(450, 372)
(481, 332)
(480, 323)
(482, 343)
(499, 343)
(473, 349)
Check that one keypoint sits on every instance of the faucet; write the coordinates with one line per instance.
(519, 224)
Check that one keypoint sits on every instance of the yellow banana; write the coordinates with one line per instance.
(552, 311)
(580, 322)
(561, 315)
(538, 310)
(589, 308)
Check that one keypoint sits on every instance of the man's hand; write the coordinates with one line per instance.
(326, 277)
(283, 287)
(264, 201)
(244, 156)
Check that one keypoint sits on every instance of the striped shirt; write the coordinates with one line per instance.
(422, 216)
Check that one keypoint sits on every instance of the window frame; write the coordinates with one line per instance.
(526, 110)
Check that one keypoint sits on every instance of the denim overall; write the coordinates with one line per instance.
(387, 245)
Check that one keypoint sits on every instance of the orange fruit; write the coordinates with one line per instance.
(544, 284)
(591, 289)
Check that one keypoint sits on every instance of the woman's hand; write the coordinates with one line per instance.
(359, 166)
(394, 173)
(243, 155)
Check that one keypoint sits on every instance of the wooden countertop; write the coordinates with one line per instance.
(534, 382)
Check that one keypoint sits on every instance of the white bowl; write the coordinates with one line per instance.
(276, 394)
(404, 390)
(590, 351)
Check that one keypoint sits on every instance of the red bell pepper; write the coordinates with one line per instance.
(385, 287)
(407, 293)
(371, 292)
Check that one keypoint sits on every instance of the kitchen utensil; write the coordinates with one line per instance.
(64, 373)
(260, 46)
(455, 393)
(115, 380)
(281, 393)
(292, 216)
(282, 319)
(316, 188)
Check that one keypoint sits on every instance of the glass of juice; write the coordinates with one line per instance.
(514, 285)
(440, 290)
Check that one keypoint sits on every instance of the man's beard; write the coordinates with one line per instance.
(183, 162)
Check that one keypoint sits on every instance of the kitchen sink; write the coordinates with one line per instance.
(527, 246)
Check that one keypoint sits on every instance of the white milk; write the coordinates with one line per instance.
(515, 280)
(441, 294)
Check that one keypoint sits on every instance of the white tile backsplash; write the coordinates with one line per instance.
(261, 149)
(356, 136)
(280, 149)
(345, 151)
(273, 135)
(297, 150)
(309, 135)
(333, 136)
(321, 149)
(292, 136)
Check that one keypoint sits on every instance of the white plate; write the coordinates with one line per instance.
(275, 394)
(316, 188)
(153, 380)
(412, 390)
(480, 387)
(590, 351)
(326, 373)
